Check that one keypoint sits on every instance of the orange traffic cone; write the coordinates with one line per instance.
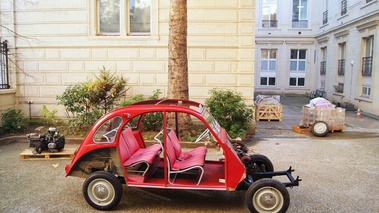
(358, 113)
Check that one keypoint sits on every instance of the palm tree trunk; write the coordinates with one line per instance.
(177, 61)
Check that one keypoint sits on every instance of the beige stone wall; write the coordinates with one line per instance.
(61, 48)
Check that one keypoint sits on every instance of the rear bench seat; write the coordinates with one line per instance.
(194, 161)
(132, 155)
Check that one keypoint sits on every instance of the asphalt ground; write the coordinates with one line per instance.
(339, 172)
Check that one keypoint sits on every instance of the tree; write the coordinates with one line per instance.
(177, 61)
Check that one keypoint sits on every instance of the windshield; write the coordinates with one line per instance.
(211, 120)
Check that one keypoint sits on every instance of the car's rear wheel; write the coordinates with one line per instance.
(102, 190)
(267, 195)
(320, 128)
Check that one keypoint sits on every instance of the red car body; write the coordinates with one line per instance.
(101, 153)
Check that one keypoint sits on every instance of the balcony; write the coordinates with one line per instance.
(4, 75)
(366, 66)
(343, 7)
(341, 67)
(325, 18)
(323, 67)
(269, 23)
(299, 23)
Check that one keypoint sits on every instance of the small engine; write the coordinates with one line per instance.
(51, 141)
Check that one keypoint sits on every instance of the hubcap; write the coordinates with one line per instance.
(101, 192)
(268, 199)
(320, 128)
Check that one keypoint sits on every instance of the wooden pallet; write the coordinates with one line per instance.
(299, 130)
(66, 153)
(269, 112)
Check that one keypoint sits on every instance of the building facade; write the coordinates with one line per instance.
(304, 45)
(56, 43)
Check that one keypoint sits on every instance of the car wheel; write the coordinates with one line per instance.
(320, 128)
(102, 190)
(259, 163)
(267, 195)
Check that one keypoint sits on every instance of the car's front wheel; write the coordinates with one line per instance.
(102, 190)
(267, 195)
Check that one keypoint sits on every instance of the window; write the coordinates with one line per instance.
(268, 81)
(367, 60)
(298, 59)
(323, 62)
(366, 91)
(297, 82)
(341, 61)
(4, 76)
(115, 19)
(106, 133)
(343, 7)
(268, 59)
(299, 14)
(269, 11)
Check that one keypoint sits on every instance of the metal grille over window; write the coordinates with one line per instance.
(343, 7)
(325, 17)
(4, 75)
(341, 67)
(366, 66)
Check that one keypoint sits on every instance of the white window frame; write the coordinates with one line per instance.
(94, 27)
(298, 60)
(366, 91)
(297, 82)
(269, 60)
(300, 18)
(271, 6)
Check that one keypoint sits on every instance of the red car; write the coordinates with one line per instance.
(116, 151)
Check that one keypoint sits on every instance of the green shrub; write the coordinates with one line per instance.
(49, 116)
(12, 120)
(152, 121)
(229, 108)
(86, 102)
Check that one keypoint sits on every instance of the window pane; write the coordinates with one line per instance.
(273, 54)
(139, 16)
(295, 10)
(264, 54)
(263, 81)
(109, 16)
(292, 81)
(271, 81)
(272, 65)
(301, 81)
(264, 65)
(301, 65)
(293, 54)
(302, 54)
(293, 65)
(303, 10)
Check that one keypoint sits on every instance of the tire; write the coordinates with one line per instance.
(267, 195)
(258, 162)
(320, 128)
(102, 190)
